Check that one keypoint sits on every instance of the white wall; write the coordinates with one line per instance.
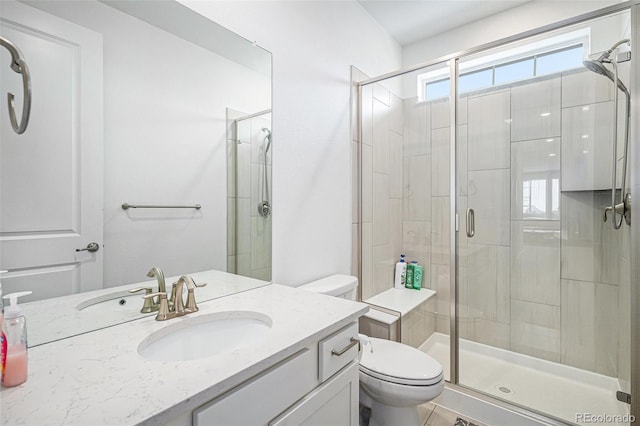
(529, 16)
(313, 46)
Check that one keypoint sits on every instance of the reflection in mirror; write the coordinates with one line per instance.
(249, 191)
(129, 105)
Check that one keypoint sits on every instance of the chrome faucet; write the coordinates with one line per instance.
(177, 308)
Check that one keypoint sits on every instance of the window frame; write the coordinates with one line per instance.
(534, 50)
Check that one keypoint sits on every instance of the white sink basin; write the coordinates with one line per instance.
(202, 336)
(120, 301)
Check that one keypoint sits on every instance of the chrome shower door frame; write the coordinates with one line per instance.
(635, 231)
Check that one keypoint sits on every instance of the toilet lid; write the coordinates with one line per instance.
(398, 363)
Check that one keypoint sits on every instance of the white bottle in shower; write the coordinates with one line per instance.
(401, 273)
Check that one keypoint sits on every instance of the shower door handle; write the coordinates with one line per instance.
(471, 223)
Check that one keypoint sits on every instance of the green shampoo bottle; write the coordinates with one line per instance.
(418, 270)
(408, 282)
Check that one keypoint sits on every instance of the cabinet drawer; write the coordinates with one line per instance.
(337, 350)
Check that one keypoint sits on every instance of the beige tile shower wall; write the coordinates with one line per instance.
(595, 258)
(440, 247)
(484, 307)
(566, 264)
(543, 279)
(382, 191)
(426, 206)
(419, 324)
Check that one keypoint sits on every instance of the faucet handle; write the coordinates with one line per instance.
(163, 311)
(191, 298)
(191, 302)
(149, 305)
(172, 298)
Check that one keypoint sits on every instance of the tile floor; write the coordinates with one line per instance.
(435, 415)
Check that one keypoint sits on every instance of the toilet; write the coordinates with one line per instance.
(394, 378)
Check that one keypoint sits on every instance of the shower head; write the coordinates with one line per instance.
(598, 67)
(267, 139)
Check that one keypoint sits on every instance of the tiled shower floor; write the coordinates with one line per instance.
(558, 390)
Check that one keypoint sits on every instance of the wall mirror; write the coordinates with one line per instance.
(140, 103)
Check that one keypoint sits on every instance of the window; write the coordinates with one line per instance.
(514, 71)
(506, 71)
(475, 80)
(437, 89)
(559, 60)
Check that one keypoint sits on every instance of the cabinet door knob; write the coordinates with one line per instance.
(91, 248)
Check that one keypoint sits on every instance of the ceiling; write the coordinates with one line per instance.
(409, 21)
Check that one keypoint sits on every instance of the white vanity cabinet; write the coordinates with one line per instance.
(312, 387)
(288, 377)
(335, 402)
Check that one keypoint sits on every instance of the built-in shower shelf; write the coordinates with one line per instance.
(401, 300)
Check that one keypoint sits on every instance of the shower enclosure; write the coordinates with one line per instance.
(249, 194)
(496, 169)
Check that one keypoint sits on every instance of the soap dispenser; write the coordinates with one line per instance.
(14, 327)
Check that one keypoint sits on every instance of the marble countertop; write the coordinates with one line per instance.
(58, 318)
(99, 378)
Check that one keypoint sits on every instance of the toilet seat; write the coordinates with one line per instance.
(398, 363)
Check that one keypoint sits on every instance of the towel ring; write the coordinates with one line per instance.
(19, 65)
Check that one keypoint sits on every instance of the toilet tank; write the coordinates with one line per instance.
(339, 285)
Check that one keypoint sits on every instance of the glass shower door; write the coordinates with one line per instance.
(542, 281)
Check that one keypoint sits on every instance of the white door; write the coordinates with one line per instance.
(51, 175)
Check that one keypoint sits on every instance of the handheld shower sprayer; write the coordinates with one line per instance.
(597, 66)
(267, 139)
(606, 54)
(264, 207)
